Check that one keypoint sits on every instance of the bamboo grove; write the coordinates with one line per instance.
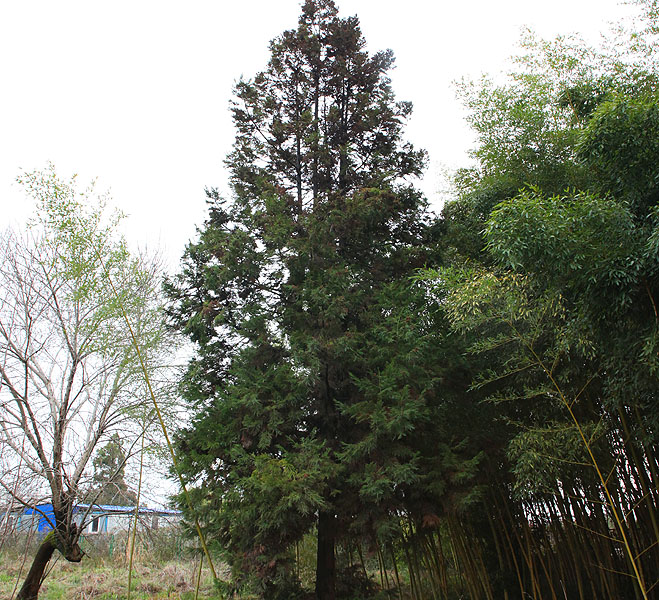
(464, 405)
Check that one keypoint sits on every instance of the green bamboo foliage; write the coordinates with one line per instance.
(597, 471)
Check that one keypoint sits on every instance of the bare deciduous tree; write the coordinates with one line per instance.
(70, 374)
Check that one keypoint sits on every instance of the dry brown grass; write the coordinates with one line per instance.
(104, 576)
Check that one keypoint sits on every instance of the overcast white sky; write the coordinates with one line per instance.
(136, 92)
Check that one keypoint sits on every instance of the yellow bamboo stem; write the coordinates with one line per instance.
(156, 407)
(577, 424)
(196, 591)
(137, 509)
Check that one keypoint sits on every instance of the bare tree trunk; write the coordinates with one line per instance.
(72, 553)
(32, 583)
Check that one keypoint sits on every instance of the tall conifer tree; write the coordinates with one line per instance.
(305, 392)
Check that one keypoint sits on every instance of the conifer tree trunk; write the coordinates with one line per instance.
(325, 559)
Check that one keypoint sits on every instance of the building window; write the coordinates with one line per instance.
(94, 525)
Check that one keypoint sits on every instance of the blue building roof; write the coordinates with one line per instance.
(47, 516)
(143, 510)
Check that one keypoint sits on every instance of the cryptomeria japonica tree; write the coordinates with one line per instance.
(308, 382)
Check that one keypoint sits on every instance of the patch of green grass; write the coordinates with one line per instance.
(106, 578)
(54, 590)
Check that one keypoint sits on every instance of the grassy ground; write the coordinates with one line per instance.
(103, 573)
(163, 567)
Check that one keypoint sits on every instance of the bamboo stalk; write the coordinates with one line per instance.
(393, 560)
(156, 407)
(426, 557)
(577, 424)
(135, 519)
(196, 591)
(511, 551)
(538, 554)
(442, 561)
(381, 567)
(641, 474)
(410, 571)
(361, 558)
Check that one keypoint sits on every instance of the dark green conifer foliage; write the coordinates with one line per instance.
(298, 421)
(109, 484)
